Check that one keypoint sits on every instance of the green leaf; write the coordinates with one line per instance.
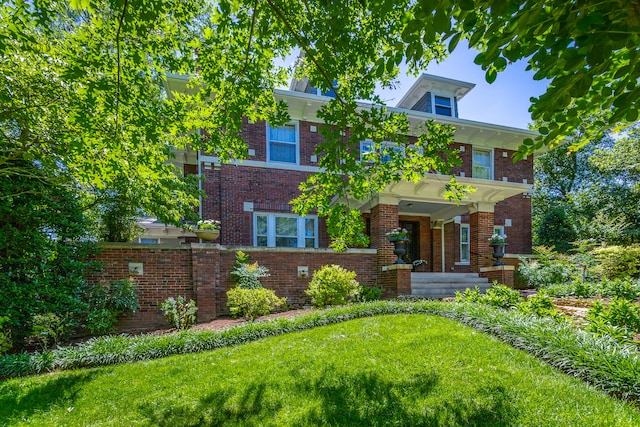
(454, 42)
(491, 75)
(500, 64)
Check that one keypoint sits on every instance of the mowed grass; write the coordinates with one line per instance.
(407, 370)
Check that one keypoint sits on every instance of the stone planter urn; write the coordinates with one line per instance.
(498, 252)
(207, 235)
(400, 248)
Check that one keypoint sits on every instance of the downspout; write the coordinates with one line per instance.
(199, 183)
(442, 250)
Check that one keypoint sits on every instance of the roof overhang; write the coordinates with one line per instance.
(430, 83)
(426, 197)
(305, 106)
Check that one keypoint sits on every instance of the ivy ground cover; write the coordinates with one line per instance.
(381, 370)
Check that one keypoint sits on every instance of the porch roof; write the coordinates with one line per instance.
(426, 197)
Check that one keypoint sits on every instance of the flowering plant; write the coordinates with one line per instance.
(397, 233)
(498, 239)
(208, 224)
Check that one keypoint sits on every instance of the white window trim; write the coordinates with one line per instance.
(443, 95)
(384, 145)
(271, 228)
(297, 144)
(498, 229)
(491, 163)
(467, 226)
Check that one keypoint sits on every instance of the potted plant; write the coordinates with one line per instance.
(208, 229)
(498, 242)
(398, 236)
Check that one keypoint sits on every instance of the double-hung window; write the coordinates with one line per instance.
(288, 231)
(443, 105)
(367, 151)
(282, 143)
(465, 243)
(482, 164)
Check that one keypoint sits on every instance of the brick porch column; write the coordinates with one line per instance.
(384, 218)
(205, 259)
(481, 228)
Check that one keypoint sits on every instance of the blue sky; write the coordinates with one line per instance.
(504, 102)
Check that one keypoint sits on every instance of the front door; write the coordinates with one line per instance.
(413, 246)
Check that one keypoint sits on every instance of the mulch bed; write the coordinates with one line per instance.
(228, 322)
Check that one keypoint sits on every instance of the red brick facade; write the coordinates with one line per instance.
(236, 192)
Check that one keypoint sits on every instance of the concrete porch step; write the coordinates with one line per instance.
(445, 285)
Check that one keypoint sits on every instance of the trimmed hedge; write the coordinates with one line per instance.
(601, 361)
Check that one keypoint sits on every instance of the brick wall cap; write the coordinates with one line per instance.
(497, 268)
(296, 250)
(124, 245)
(519, 256)
(397, 267)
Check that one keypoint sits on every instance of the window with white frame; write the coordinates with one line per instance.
(443, 105)
(149, 241)
(282, 143)
(482, 164)
(367, 149)
(498, 229)
(288, 231)
(465, 243)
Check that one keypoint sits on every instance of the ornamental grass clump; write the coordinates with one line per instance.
(332, 285)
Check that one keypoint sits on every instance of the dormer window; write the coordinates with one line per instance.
(443, 105)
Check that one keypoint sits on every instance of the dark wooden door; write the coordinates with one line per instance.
(413, 246)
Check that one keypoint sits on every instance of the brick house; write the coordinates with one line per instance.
(251, 199)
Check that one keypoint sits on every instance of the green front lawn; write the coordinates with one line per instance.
(384, 370)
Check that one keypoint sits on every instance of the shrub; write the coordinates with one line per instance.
(469, 295)
(332, 285)
(619, 262)
(252, 303)
(5, 335)
(622, 288)
(560, 291)
(498, 295)
(247, 275)
(501, 296)
(107, 302)
(49, 329)
(540, 305)
(179, 313)
(368, 293)
(550, 268)
(619, 312)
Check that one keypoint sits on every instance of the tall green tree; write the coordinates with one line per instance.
(588, 195)
(105, 114)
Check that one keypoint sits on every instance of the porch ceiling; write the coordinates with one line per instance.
(427, 197)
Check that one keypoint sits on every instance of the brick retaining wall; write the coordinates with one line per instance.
(201, 272)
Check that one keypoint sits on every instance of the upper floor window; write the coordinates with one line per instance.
(482, 164)
(443, 105)
(282, 143)
(288, 231)
(367, 150)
